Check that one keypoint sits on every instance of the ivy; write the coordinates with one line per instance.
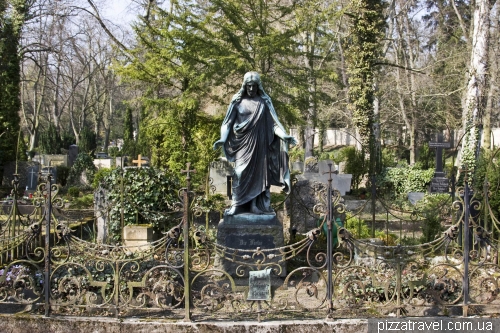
(400, 181)
(145, 195)
(362, 51)
(83, 163)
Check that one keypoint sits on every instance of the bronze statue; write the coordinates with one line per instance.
(253, 138)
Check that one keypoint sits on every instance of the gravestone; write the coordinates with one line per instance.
(137, 237)
(298, 166)
(103, 163)
(72, 154)
(27, 180)
(32, 177)
(439, 184)
(100, 212)
(46, 170)
(415, 197)
(311, 165)
(121, 161)
(219, 171)
(51, 160)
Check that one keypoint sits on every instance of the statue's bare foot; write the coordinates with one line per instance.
(230, 211)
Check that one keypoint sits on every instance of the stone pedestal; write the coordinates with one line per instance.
(137, 237)
(248, 232)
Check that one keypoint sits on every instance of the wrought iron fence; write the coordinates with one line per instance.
(187, 275)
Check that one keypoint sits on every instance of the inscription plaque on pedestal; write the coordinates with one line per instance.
(250, 233)
(259, 285)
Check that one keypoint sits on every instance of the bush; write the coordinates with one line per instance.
(99, 176)
(82, 163)
(357, 227)
(62, 174)
(400, 181)
(148, 197)
(74, 192)
(355, 164)
(85, 201)
(114, 152)
(436, 209)
(296, 154)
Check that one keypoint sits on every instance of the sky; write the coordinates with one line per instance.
(118, 11)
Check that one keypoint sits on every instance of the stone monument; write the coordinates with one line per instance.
(255, 141)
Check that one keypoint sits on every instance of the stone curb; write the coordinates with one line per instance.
(40, 324)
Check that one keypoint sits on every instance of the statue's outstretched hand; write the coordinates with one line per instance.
(290, 140)
(218, 144)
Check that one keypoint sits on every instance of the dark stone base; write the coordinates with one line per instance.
(250, 232)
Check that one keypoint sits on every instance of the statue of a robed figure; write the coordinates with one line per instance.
(253, 138)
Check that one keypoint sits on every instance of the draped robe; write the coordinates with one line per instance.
(260, 157)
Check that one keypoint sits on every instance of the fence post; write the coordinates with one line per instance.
(466, 249)
(185, 227)
(48, 213)
(329, 245)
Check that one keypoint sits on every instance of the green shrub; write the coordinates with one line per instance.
(84, 202)
(99, 177)
(296, 154)
(74, 192)
(113, 152)
(62, 174)
(83, 162)
(389, 158)
(436, 209)
(357, 227)
(355, 164)
(401, 180)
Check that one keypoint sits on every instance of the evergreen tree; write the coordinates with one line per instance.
(12, 17)
(50, 141)
(88, 141)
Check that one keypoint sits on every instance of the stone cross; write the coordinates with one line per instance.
(139, 161)
(439, 145)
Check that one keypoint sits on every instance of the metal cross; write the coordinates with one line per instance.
(139, 161)
(188, 171)
(330, 172)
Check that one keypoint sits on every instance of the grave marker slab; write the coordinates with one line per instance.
(219, 170)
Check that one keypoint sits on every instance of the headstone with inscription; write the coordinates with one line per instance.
(439, 184)
(50, 170)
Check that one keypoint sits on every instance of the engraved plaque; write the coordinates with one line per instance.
(439, 185)
(260, 285)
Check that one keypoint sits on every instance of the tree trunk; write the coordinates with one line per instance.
(473, 105)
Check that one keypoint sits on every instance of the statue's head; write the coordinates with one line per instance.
(251, 80)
